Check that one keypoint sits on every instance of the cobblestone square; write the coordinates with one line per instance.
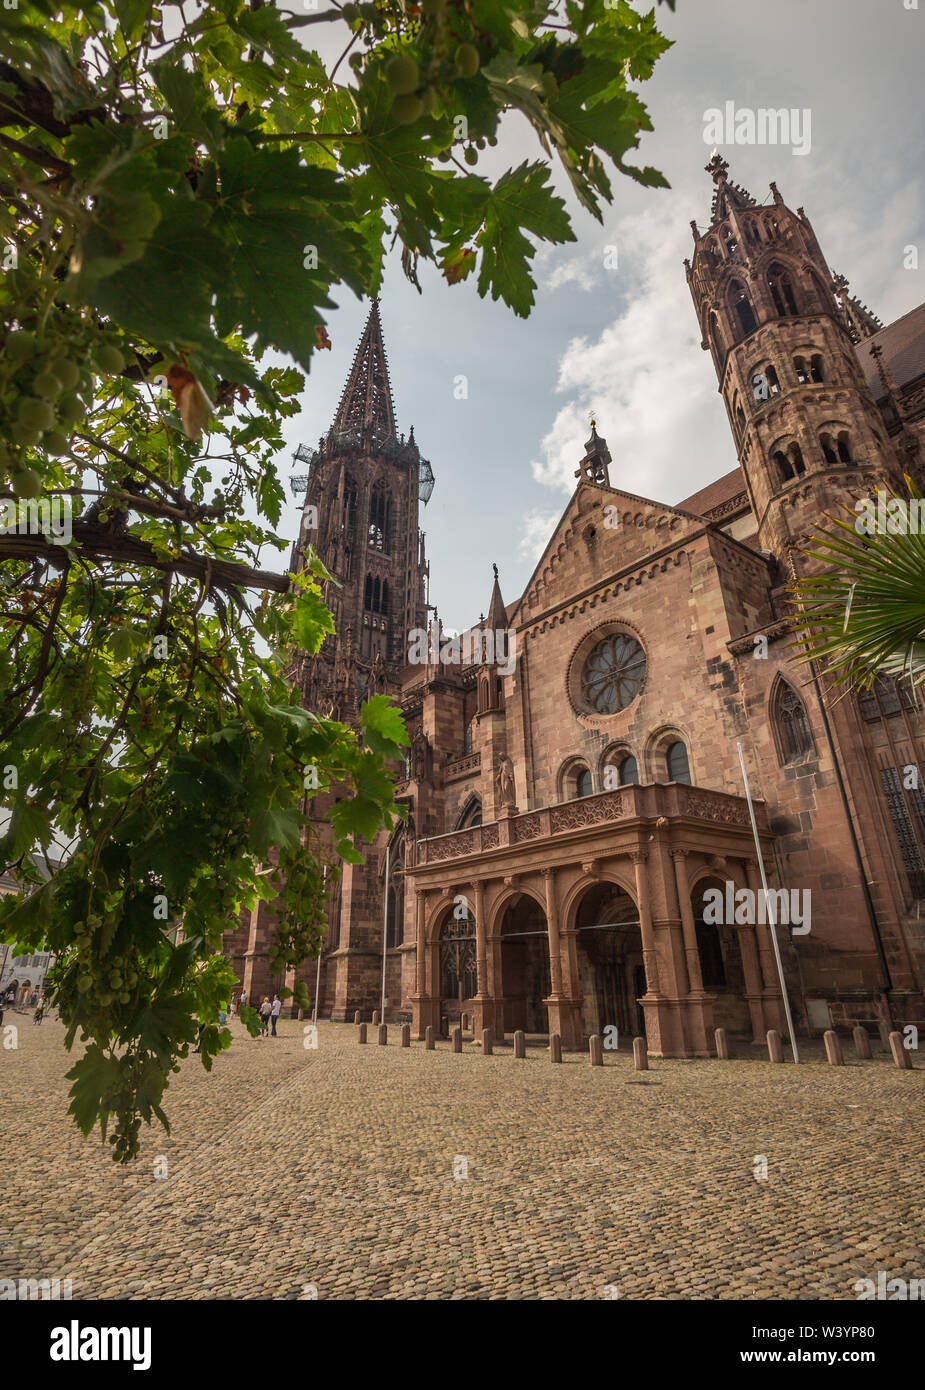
(291, 1170)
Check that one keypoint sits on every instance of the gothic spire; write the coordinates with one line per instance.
(726, 195)
(497, 613)
(366, 404)
(859, 320)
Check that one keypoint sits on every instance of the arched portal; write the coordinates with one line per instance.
(457, 963)
(610, 963)
(525, 966)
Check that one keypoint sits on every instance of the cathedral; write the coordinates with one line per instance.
(576, 778)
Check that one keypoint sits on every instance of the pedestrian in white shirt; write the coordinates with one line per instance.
(275, 1011)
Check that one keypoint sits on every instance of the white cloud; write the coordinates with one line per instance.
(644, 379)
(537, 528)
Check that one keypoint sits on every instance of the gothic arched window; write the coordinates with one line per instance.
(781, 288)
(368, 592)
(677, 763)
(794, 740)
(828, 448)
(784, 466)
(801, 369)
(471, 814)
(380, 507)
(844, 447)
(583, 784)
(744, 314)
(350, 503)
(795, 454)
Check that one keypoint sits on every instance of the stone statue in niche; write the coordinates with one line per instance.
(506, 780)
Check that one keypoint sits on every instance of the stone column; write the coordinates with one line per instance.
(752, 972)
(649, 952)
(688, 926)
(425, 1010)
(773, 1005)
(483, 1011)
(563, 1013)
(698, 1007)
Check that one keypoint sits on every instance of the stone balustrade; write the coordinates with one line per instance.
(673, 800)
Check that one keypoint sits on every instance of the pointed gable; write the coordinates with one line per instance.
(602, 532)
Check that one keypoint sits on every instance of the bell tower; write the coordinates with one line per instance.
(362, 493)
(782, 332)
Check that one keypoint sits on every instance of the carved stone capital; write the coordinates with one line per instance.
(639, 856)
(590, 867)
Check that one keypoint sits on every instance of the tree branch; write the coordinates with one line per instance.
(98, 541)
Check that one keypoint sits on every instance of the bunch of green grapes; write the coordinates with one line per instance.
(46, 390)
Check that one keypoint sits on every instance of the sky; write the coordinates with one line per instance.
(621, 341)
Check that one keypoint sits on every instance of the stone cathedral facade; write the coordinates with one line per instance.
(577, 809)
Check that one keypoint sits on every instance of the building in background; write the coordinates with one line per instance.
(24, 973)
(574, 812)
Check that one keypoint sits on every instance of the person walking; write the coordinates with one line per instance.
(242, 1002)
(275, 1011)
(265, 1016)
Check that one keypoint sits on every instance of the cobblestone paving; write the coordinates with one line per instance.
(334, 1168)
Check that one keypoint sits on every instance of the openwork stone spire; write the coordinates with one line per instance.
(862, 323)
(366, 404)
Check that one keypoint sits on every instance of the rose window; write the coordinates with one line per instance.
(613, 674)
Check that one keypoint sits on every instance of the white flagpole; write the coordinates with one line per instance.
(385, 931)
(764, 885)
(317, 987)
